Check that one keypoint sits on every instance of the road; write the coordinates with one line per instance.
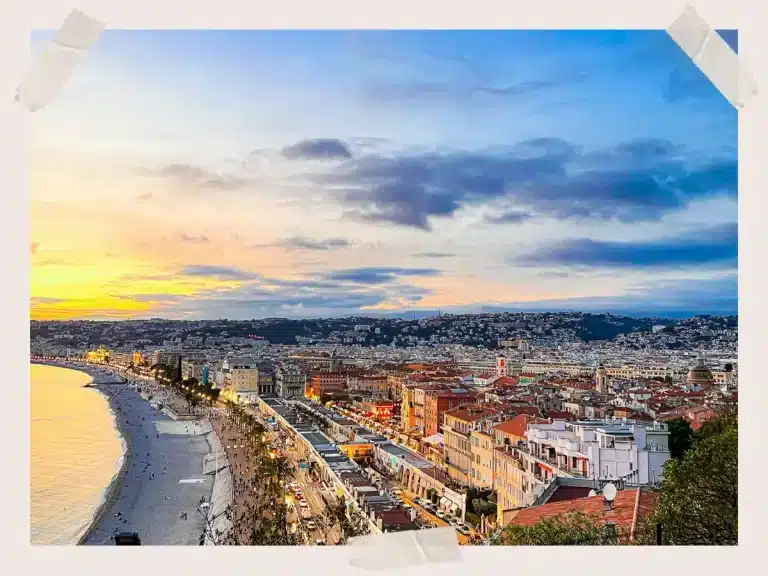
(311, 489)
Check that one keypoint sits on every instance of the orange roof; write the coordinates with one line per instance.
(518, 425)
(626, 508)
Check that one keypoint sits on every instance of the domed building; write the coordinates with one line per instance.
(700, 375)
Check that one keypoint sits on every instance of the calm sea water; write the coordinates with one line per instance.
(76, 451)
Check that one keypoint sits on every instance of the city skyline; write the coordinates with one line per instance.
(236, 174)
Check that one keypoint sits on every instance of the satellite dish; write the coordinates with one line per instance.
(609, 492)
(592, 493)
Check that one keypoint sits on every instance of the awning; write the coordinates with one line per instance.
(434, 439)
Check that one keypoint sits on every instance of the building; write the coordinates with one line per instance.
(265, 380)
(99, 356)
(290, 381)
(166, 357)
(601, 379)
(241, 380)
(378, 409)
(374, 386)
(438, 402)
(139, 359)
(192, 369)
(700, 376)
(604, 449)
(323, 384)
(481, 445)
(121, 359)
(458, 425)
(623, 515)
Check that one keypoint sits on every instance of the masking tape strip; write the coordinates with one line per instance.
(59, 59)
(713, 57)
(404, 549)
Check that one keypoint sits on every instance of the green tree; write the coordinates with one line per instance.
(680, 437)
(717, 426)
(700, 493)
(569, 529)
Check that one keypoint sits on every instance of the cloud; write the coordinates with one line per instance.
(184, 237)
(197, 176)
(304, 243)
(668, 298)
(635, 181)
(37, 300)
(709, 247)
(508, 217)
(382, 275)
(220, 272)
(434, 255)
(464, 88)
(317, 149)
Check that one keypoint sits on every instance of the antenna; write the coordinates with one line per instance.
(609, 492)
(592, 493)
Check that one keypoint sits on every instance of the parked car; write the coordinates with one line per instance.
(311, 525)
(440, 514)
(463, 530)
(320, 542)
(303, 503)
(453, 522)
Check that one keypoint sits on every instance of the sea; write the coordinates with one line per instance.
(76, 451)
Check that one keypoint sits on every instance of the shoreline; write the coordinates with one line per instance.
(132, 500)
(111, 493)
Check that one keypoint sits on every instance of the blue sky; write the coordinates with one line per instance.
(487, 168)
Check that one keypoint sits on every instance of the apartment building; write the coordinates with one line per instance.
(192, 369)
(437, 402)
(265, 380)
(373, 386)
(607, 449)
(407, 413)
(324, 383)
(481, 444)
(458, 425)
(290, 381)
(420, 393)
(546, 367)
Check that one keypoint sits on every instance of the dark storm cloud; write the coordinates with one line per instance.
(635, 181)
(710, 247)
(381, 275)
(317, 149)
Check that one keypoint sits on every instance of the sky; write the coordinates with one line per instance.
(251, 174)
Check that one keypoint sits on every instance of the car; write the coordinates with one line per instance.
(320, 542)
(311, 524)
(453, 521)
(303, 503)
(463, 530)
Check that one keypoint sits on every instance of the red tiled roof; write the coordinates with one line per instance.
(560, 415)
(626, 508)
(518, 425)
